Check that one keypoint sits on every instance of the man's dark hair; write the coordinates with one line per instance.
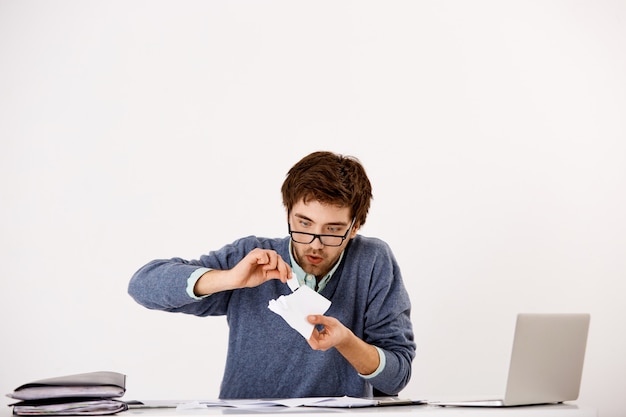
(329, 178)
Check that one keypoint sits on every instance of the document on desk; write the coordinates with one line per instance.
(294, 308)
(331, 402)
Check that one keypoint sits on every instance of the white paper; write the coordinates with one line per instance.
(335, 402)
(294, 308)
(341, 402)
(293, 283)
(91, 407)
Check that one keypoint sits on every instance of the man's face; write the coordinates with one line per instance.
(320, 219)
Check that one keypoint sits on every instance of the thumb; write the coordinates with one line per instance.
(314, 319)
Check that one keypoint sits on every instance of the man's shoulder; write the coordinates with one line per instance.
(370, 248)
(370, 243)
(250, 242)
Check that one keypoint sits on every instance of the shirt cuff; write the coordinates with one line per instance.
(381, 364)
(191, 282)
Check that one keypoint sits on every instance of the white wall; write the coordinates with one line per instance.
(493, 132)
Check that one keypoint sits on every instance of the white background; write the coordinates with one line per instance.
(494, 133)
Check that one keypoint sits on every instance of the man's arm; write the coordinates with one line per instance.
(173, 284)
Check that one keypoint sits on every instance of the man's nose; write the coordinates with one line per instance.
(317, 242)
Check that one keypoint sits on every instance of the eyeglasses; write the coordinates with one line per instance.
(326, 240)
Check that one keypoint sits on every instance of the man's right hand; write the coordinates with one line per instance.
(257, 267)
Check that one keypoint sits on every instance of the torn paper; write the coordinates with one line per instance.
(294, 308)
(293, 283)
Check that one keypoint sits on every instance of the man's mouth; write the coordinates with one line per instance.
(313, 259)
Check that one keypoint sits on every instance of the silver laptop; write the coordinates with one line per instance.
(546, 362)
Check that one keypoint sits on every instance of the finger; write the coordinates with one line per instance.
(275, 268)
(314, 319)
(312, 342)
(271, 260)
(314, 338)
(316, 342)
(262, 258)
(285, 270)
(276, 263)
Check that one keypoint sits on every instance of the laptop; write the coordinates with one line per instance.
(546, 361)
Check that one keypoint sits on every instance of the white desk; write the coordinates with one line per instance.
(560, 410)
(557, 410)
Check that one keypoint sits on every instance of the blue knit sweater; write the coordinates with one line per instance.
(266, 357)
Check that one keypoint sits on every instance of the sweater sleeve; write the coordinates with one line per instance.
(397, 371)
(167, 284)
(388, 323)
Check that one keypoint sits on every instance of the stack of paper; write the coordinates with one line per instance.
(88, 394)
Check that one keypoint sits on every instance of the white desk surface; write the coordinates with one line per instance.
(557, 410)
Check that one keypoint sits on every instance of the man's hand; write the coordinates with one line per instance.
(332, 332)
(361, 355)
(257, 267)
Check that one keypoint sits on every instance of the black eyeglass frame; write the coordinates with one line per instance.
(321, 236)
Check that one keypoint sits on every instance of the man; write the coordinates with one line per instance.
(362, 346)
